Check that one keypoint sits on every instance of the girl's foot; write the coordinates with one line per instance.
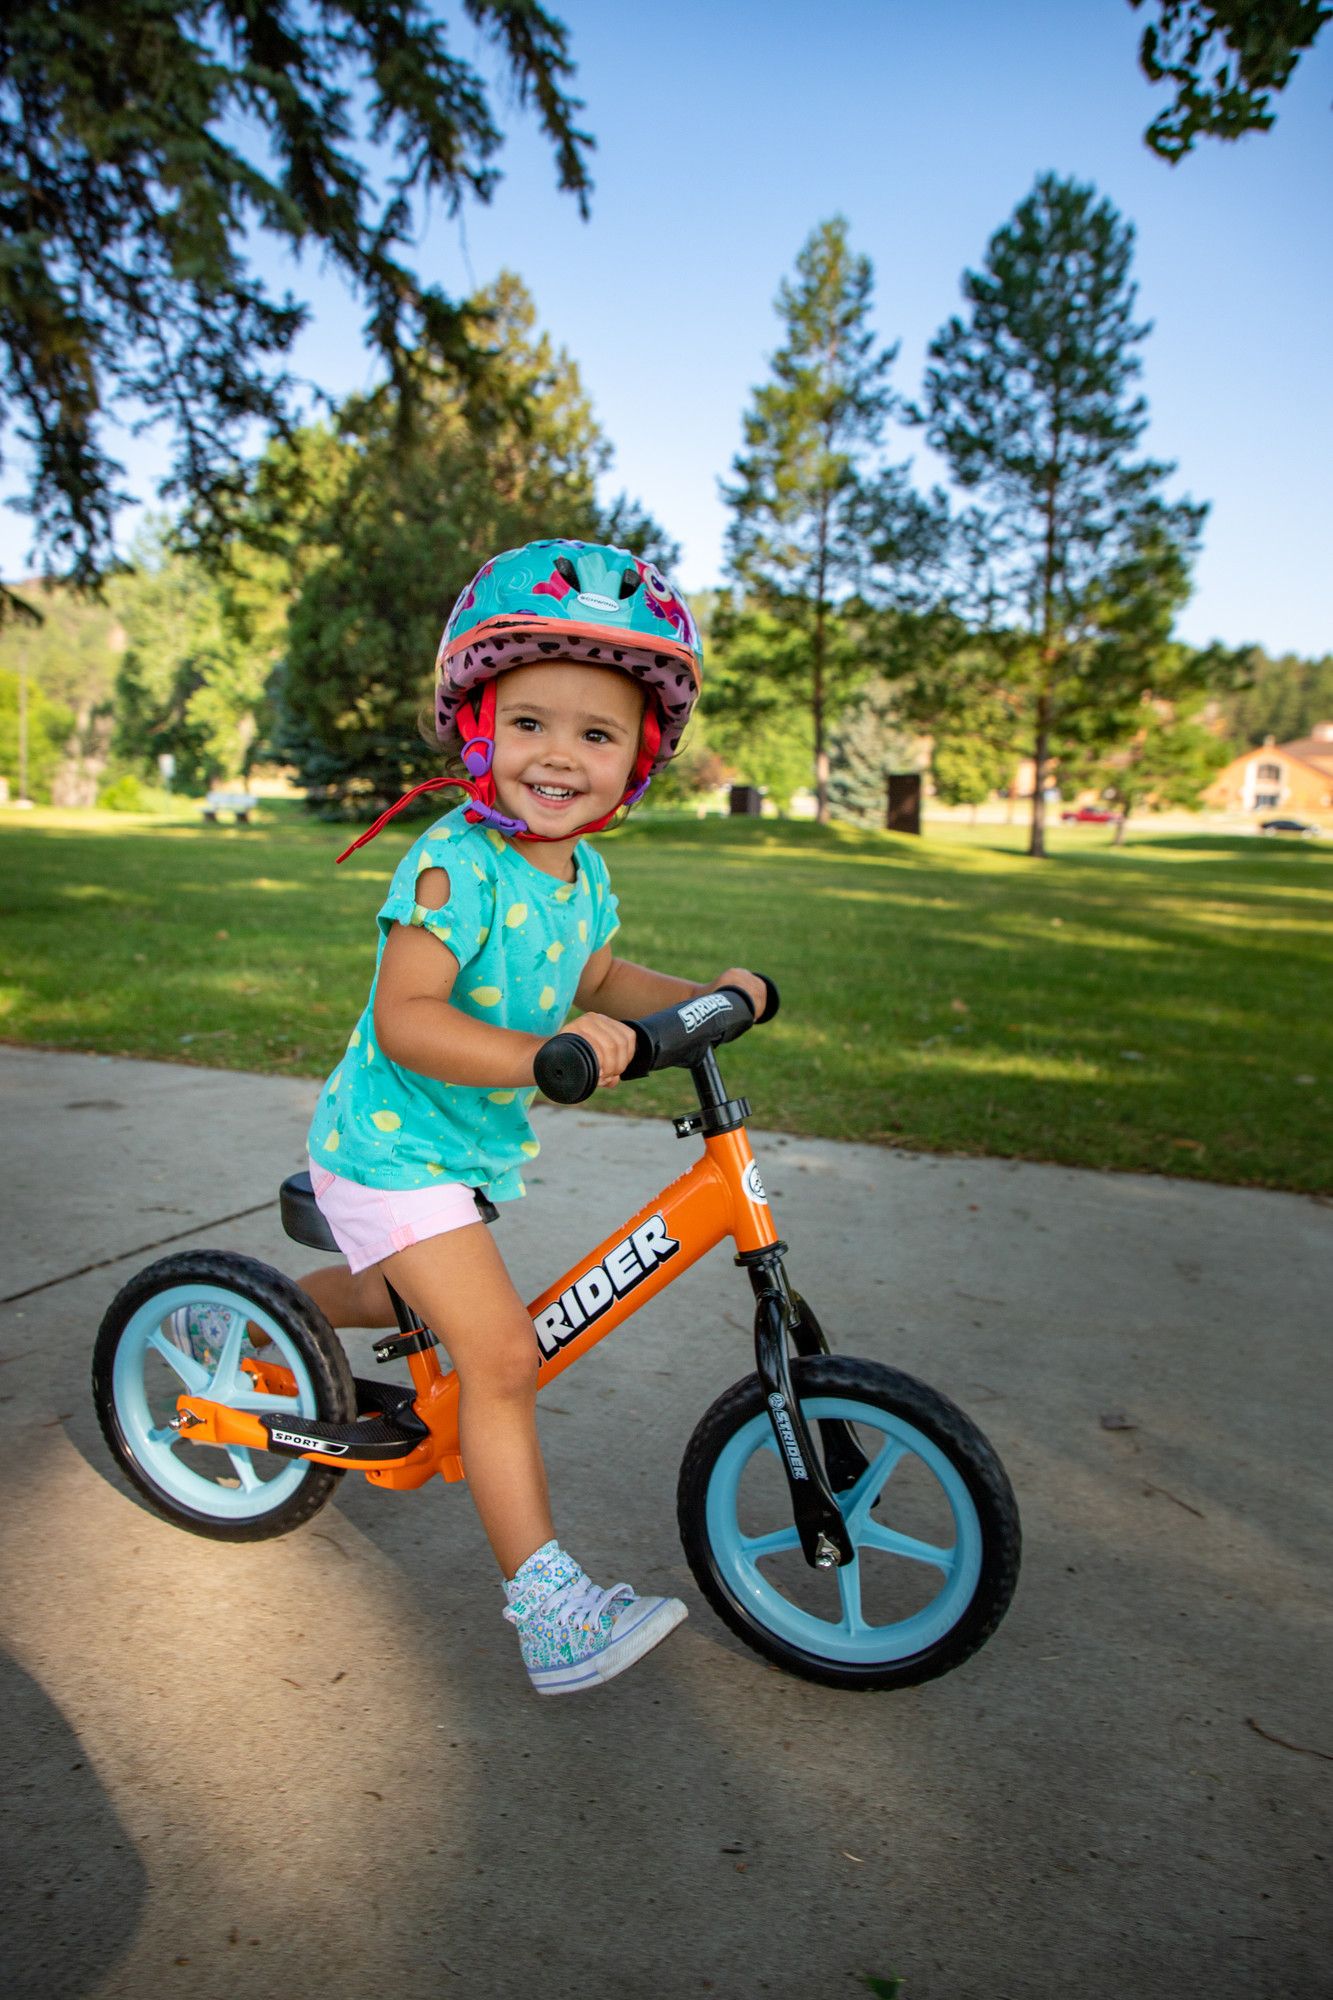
(573, 1635)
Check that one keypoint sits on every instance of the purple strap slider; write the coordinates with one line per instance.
(480, 815)
(633, 797)
(478, 753)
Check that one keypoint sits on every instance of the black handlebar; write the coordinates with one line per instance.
(566, 1067)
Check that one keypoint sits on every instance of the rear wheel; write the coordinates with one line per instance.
(211, 1323)
(932, 1519)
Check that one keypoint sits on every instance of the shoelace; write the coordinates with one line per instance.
(583, 1603)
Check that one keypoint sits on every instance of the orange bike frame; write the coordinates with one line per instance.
(721, 1195)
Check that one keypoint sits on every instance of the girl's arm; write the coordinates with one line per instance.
(625, 991)
(417, 1027)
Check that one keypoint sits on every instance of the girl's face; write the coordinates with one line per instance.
(566, 737)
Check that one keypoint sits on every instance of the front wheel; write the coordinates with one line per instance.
(932, 1519)
(212, 1323)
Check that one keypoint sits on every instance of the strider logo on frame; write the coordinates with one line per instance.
(695, 1012)
(624, 1266)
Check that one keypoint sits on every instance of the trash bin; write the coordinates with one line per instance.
(904, 803)
(747, 799)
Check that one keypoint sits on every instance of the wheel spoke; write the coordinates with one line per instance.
(191, 1372)
(857, 1504)
(244, 1470)
(849, 1590)
(227, 1377)
(781, 1539)
(874, 1535)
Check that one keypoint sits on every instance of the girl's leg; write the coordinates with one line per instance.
(345, 1300)
(459, 1285)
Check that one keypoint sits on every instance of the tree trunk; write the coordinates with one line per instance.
(817, 717)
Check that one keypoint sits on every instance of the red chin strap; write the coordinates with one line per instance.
(478, 753)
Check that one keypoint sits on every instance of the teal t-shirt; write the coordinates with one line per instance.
(522, 939)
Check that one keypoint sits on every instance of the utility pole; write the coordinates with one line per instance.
(23, 799)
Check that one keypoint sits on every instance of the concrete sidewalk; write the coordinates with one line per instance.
(313, 1766)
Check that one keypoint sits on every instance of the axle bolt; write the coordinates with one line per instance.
(826, 1553)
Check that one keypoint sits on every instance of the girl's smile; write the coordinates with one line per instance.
(566, 737)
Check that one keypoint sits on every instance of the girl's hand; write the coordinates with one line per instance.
(751, 985)
(611, 1042)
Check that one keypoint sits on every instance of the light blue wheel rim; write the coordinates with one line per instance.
(158, 1451)
(851, 1640)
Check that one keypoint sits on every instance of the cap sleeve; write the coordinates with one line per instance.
(464, 923)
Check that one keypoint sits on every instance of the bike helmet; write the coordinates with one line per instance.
(565, 600)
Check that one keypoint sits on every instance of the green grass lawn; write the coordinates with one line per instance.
(1162, 1007)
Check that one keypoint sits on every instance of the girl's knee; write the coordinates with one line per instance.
(505, 1365)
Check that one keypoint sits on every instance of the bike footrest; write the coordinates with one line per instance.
(387, 1426)
(395, 1345)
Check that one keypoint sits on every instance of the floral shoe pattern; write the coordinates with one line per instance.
(571, 1633)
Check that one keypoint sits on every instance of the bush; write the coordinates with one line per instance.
(124, 795)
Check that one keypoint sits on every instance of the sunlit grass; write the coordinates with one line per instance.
(1159, 1006)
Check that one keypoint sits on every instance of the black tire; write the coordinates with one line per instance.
(731, 1469)
(137, 1376)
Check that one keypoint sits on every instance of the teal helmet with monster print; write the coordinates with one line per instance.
(559, 600)
(583, 601)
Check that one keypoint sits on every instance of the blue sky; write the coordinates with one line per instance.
(726, 133)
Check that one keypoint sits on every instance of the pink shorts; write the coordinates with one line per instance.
(369, 1224)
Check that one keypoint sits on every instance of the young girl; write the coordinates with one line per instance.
(565, 677)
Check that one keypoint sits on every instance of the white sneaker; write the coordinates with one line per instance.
(572, 1634)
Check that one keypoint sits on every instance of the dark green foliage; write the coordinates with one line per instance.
(817, 512)
(397, 536)
(1226, 58)
(1283, 698)
(1077, 560)
(141, 147)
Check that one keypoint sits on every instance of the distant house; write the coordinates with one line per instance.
(1293, 780)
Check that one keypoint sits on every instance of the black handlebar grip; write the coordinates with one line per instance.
(566, 1069)
(772, 999)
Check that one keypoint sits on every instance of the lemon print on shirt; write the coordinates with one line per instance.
(501, 1096)
(563, 895)
(547, 998)
(387, 1121)
(331, 1143)
(485, 996)
(554, 951)
(516, 914)
(583, 930)
(531, 1148)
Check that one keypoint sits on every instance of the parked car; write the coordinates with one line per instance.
(1091, 815)
(1301, 826)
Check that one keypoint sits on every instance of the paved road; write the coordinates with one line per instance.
(313, 1766)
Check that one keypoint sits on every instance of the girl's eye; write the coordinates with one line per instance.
(598, 736)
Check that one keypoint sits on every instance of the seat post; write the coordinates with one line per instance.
(408, 1321)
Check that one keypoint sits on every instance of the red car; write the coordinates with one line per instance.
(1096, 815)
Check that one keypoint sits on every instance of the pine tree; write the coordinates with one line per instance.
(868, 746)
(817, 514)
(1032, 401)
